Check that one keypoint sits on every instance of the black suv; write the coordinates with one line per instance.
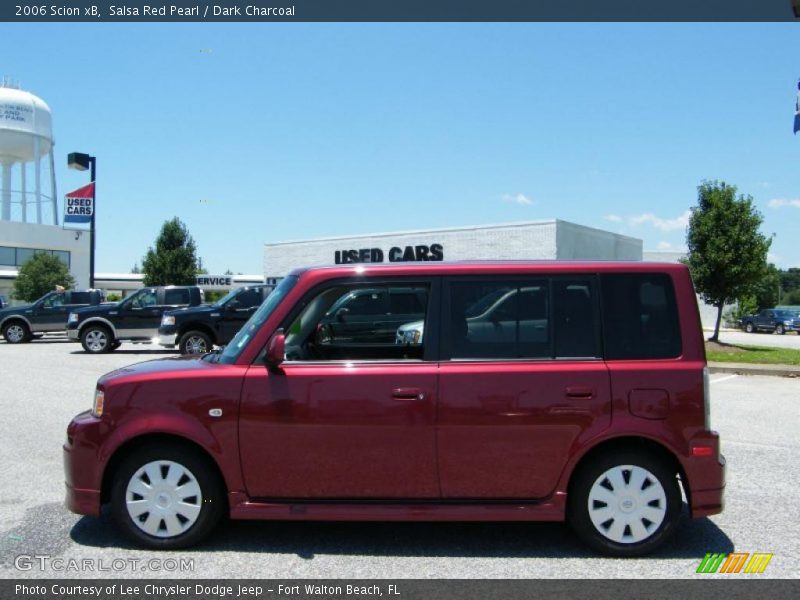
(771, 319)
(196, 330)
(136, 318)
(48, 314)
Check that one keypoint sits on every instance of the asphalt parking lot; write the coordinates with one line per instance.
(46, 382)
(770, 340)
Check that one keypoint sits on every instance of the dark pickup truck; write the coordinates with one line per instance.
(136, 318)
(772, 320)
(195, 330)
(48, 314)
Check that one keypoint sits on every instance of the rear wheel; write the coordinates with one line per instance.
(625, 504)
(195, 342)
(167, 497)
(97, 339)
(16, 332)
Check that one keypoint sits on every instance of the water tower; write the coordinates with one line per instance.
(26, 140)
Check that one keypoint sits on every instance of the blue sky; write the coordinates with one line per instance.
(272, 132)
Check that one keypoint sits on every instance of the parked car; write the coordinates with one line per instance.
(136, 318)
(772, 320)
(282, 425)
(48, 314)
(370, 315)
(196, 330)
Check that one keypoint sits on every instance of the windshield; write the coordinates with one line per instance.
(219, 303)
(241, 339)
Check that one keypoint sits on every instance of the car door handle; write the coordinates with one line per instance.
(408, 394)
(580, 392)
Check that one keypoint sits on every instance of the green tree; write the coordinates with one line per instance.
(40, 274)
(173, 261)
(766, 290)
(727, 252)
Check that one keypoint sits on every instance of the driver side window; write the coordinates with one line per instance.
(354, 322)
(54, 301)
(144, 299)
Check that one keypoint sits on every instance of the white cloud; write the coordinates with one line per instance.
(680, 222)
(520, 199)
(613, 218)
(665, 246)
(781, 202)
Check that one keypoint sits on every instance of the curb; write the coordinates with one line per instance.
(751, 369)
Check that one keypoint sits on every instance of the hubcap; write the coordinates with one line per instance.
(163, 498)
(627, 504)
(196, 345)
(15, 333)
(96, 340)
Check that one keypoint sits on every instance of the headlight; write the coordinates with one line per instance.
(787, 322)
(167, 320)
(99, 399)
(73, 318)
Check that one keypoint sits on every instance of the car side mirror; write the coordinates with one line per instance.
(276, 349)
(342, 313)
(232, 306)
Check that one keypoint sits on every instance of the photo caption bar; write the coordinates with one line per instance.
(398, 10)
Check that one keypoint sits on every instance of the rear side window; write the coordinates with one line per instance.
(535, 318)
(176, 296)
(640, 317)
(249, 298)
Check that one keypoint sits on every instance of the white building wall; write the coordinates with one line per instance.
(541, 240)
(46, 237)
(578, 242)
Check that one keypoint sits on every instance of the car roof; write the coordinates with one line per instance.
(507, 267)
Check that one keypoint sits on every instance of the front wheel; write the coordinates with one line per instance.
(167, 496)
(749, 328)
(16, 332)
(97, 339)
(195, 342)
(625, 504)
(780, 330)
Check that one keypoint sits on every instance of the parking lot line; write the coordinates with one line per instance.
(723, 378)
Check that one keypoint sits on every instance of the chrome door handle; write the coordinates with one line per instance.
(408, 394)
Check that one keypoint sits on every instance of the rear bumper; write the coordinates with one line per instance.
(705, 477)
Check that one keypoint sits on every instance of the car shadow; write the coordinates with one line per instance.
(693, 539)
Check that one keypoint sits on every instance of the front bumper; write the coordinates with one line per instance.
(82, 465)
(167, 339)
(74, 334)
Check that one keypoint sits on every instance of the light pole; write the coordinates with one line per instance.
(81, 162)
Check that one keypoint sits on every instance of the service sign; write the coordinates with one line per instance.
(79, 205)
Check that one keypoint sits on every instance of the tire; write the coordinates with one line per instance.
(780, 330)
(186, 505)
(97, 339)
(195, 342)
(16, 332)
(633, 521)
(748, 327)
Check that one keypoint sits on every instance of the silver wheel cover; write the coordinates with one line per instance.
(96, 340)
(163, 499)
(196, 345)
(15, 333)
(627, 504)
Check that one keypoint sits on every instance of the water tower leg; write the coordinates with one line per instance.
(53, 186)
(37, 177)
(6, 191)
(24, 180)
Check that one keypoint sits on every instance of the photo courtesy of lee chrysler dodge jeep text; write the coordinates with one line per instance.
(540, 391)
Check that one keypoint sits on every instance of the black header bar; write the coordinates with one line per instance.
(397, 10)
